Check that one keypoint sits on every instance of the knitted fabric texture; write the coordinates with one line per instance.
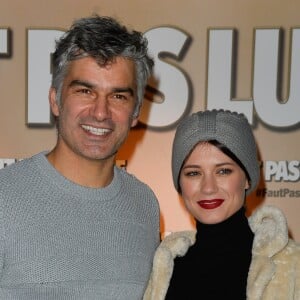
(59, 240)
(228, 128)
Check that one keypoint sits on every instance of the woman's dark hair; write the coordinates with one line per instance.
(226, 151)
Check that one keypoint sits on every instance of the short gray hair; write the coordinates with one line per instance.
(104, 39)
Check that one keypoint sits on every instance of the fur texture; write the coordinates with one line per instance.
(275, 267)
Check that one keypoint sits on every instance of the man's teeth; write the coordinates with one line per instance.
(96, 131)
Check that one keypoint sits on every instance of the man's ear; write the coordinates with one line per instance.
(134, 121)
(52, 101)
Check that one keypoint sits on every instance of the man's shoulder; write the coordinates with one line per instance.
(19, 169)
(11, 168)
(131, 178)
(134, 186)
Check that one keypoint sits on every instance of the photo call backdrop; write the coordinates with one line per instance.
(242, 55)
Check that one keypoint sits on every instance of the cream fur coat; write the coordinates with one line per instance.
(275, 267)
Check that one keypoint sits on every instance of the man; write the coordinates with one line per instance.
(72, 224)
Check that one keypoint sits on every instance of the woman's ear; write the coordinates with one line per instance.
(247, 184)
(52, 101)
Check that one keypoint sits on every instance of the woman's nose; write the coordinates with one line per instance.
(209, 184)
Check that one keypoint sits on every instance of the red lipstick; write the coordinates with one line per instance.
(210, 204)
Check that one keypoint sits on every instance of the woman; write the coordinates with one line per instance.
(214, 167)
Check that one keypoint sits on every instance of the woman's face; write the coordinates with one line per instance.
(212, 184)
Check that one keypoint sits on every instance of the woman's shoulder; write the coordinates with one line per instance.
(271, 234)
(177, 243)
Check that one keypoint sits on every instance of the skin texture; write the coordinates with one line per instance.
(209, 174)
(93, 120)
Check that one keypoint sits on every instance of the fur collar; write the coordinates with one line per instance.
(271, 236)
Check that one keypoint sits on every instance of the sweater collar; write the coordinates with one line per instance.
(54, 177)
(233, 232)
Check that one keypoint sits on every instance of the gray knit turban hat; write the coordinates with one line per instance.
(229, 128)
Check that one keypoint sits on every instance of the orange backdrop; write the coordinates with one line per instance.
(148, 150)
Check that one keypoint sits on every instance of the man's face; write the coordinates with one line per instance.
(96, 111)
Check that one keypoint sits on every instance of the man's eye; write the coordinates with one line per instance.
(84, 91)
(120, 96)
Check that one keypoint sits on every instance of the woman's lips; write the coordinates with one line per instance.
(210, 204)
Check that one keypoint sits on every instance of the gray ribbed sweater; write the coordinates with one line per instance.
(59, 240)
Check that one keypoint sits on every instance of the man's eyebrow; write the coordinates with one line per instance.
(81, 82)
(90, 85)
(124, 90)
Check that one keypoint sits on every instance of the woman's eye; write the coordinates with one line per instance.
(191, 173)
(225, 171)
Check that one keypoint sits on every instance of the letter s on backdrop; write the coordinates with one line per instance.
(169, 81)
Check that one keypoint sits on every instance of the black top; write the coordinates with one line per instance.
(216, 266)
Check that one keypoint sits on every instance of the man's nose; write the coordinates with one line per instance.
(101, 109)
